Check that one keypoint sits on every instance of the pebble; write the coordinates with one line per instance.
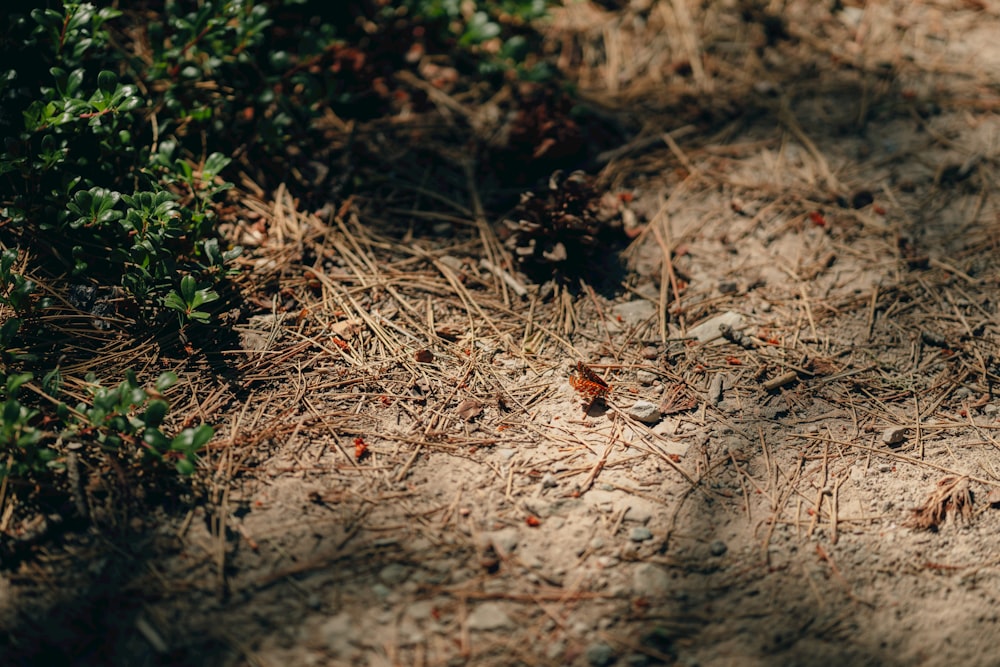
(639, 511)
(393, 574)
(650, 579)
(549, 481)
(708, 330)
(504, 540)
(894, 435)
(381, 591)
(645, 412)
(728, 287)
(635, 312)
(334, 633)
(605, 562)
(600, 655)
(718, 548)
(645, 378)
(640, 534)
(489, 616)
(421, 610)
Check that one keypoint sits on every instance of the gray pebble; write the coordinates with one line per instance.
(640, 534)
(393, 574)
(645, 412)
(489, 616)
(894, 435)
(718, 548)
(650, 580)
(600, 655)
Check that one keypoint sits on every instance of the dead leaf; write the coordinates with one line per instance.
(346, 328)
(469, 409)
(449, 332)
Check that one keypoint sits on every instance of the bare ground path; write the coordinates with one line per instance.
(815, 487)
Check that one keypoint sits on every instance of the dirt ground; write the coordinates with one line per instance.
(816, 487)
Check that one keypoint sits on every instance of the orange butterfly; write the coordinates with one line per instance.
(589, 384)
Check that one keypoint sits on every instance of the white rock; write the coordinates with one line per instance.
(504, 541)
(709, 329)
(645, 412)
(635, 312)
(650, 579)
(489, 616)
(894, 435)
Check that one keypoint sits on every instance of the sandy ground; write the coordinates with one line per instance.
(771, 506)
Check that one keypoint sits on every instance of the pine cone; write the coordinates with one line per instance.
(568, 230)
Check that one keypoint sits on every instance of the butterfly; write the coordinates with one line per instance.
(589, 384)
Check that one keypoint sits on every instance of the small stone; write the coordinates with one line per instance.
(640, 534)
(334, 634)
(443, 229)
(708, 330)
(718, 548)
(504, 541)
(600, 655)
(894, 435)
(489, 616)
(644, 411)
(393, 574)
(650, 579)
(605, 562)
(549, 481)
(421, 610)
(728, 287)
(645, 378)
(506, 453)
(635, 312)
(638, 510)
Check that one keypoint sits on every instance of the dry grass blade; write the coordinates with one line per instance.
(951, 497)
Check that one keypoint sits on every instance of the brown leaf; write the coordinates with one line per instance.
(469, 409)
(346, 328)
(449, 332)
(423, 356)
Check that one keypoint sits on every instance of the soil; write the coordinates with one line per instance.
(405, 475)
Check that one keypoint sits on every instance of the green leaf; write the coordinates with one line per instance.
(191, 440)
(14, 382)
(188, 289)
(155, 412)
(214, 165)
(107, 82)
(165, 381)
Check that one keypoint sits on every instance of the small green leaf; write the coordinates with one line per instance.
(188, 289)
(165, 381)
(155, 412)
(107, 82)
(14, 382)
